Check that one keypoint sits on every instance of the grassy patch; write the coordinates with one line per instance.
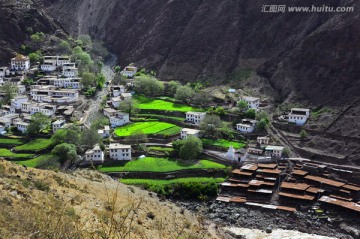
(157, 148)
(156, 104)
(36, 162)
(151, 182)
(170, 131)
(155, 127)
(11, 141)
(35, 145)
(151, 116)
(152, 164)
(5, 153)
(223, 143)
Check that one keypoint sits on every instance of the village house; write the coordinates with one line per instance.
(126, 96)
(117, 90)
(185, 132)
(20, 63)
(7, 119)
(57, 125)
(48, 67)
(70, 72)
(108, 112)
(252, 102)
(105, 132)
(68, 65)
(22, 126)
(119, 119)
(57, 60)
(129, 71)
(274, 151)
(95, 154)
(263, 140)
(50, 94)
(195, 117)
(115, 101)
(51, 60)
(246, 126)
(120, 151)
(4, 71)
(17, 102)
(2, 128)
(298, 116)
(73, 83)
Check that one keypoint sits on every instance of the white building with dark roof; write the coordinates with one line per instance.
(129, 71)
(246, 126)
(185, 132)
(57, 125)
(298, 116)
(252, 102)
(20, 63)
(120, 151)
(95, 154)
(119, 119)
(195, 117)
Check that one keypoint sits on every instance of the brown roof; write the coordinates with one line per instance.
(299, 172)
(297, 196)
(314, 190)
(272, 171)
(239, 172)
(238, 199)
(325, 181)
(341, 197)
(284, 208)
(349, 205)
(249, 167)
(264, 165)
(259, 182)
(296, 186)
(351, 187)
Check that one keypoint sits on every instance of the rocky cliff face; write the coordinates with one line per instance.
(16, 19)
(312, 54)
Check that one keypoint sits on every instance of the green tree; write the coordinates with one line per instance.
(100, 81)
(64, 47)
(172, 87)
(37, 37)
(303, 135)
(149, 86)
(100, 122)
(201, 99)
(184, 93)
(87, 79)
(117, 69)
(65, 152)
(38, 122)
(89, 137)
(250, 113)
(34, 57)
(69, 135)
(28, 81)
(98, 49)
(211, 126)
(242, 105)
(191, 149)
(263, 115)
(120, 80)
(9, 91)
(129, 106)
(261, 125)
(85, 40)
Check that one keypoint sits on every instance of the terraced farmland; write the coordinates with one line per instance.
(153, 127)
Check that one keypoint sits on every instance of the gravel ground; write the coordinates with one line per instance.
(235, 215)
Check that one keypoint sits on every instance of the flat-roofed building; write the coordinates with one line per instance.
(195, 117)
(185, 132)
(120, 151)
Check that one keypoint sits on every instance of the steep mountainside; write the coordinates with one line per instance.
(315, 55)
(16, 20)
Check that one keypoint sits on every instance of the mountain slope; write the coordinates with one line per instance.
(314, 55)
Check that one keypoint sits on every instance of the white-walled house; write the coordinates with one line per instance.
(195, 117)
(246, 126)
(105, 132)
(263, 140)
(119, 119)
(73, 83)
(185, 132)
(50, 94)
(70, 72)
(18, 101)
(4, 71)
(95, 154)
(129, 71)
(48, 67)
(108, 112)
(20, 63)
(57, 60)
(120, 151)
(117, 90)
(57, 125)
(252, 102)
(22, 126)
(274, 151)
(298, 116)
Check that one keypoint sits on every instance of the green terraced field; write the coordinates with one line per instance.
(38, 161)
(223, 143)
(11, 141)
(153, 127)
(35, 145)
(156, 104)
(5, 153)
(152, 164)
(152, 182)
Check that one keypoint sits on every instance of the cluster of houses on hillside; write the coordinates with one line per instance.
(50, 95)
